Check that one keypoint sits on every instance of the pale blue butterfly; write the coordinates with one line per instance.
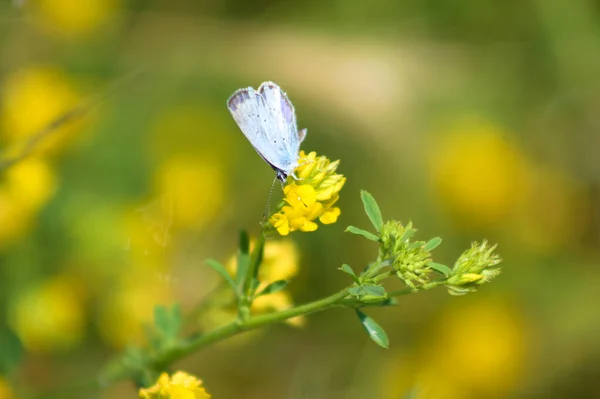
(267, 118)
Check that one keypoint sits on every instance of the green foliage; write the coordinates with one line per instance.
(375, 331)
(219, 268)
(368, 235)
(372, 209)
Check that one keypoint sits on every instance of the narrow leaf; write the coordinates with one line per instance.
(376, 333)
(438, 267)
(348, 270)
(432, 244)
(161, 318)
(221, 270)
(243, 259)
(274, 287)
(372, 209)
(361, 232)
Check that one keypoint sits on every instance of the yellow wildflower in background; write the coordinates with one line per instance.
(73, 18)
(310, 197)
(31, 99)
(478, 171)
(190, 190)
(50, 317)
(32, 182)
(180, 385)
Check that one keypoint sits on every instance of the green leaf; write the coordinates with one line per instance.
(257, 256)
(274, 287)
(438, 267)
(243, 259)
(372, 209)
(167, 321)
(355, 291)
(361, 232)
(376, 333)
(219, 268)
(161, 318)
(348, 270)
(432, 244)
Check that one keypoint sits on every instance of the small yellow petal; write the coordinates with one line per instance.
(309, 226)
(330, 216)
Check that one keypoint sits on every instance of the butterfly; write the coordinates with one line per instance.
(267, 118)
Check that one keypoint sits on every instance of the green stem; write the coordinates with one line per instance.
(177, 352)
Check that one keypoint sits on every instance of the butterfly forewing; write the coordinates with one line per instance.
(267, 119)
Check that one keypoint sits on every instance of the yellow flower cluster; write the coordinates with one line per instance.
(180, 385)
(309, 197)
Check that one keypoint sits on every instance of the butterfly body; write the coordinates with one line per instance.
(267, 118)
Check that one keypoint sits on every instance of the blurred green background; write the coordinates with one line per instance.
(474, 119)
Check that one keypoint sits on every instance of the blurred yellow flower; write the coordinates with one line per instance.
(73, 18)
(190, 190)
(32, 183)
(5, 390)
(479, 173)
(50, 317)
(31, 99)
(310, 197)
(180, 385)
(130, 305)
(477, 350)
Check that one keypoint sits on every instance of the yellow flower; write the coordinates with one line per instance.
(180, 385)
(73, 18)
(32, 98)
(310, 197)
(50, 317)
(32, 182)
(479, 173)
(190, 190)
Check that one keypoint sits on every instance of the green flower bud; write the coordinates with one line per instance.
(409, 259)
(473, 268)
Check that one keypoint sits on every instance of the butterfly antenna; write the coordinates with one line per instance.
(267, 211)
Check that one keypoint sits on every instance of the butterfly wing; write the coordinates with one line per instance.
(284, 113)
(267, 119)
